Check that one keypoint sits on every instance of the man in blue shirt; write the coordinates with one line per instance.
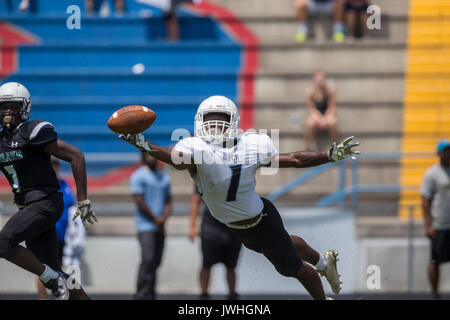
(151, 191)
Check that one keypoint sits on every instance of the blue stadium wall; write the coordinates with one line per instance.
(79, 77)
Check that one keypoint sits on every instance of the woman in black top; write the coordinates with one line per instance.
(321, 103)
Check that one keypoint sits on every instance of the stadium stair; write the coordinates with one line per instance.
(369, 77)
(426, 110)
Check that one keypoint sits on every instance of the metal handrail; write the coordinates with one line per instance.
(343, 192)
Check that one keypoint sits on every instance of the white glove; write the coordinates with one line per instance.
(343, 150)
(137, 140)
(85, 212)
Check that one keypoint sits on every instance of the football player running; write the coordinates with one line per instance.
(25, 150)
(223, 164)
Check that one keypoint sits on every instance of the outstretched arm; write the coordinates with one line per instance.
(305, 159)
(164, 154)
(302, 159)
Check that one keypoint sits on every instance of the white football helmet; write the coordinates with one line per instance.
(209, 130)
(15, 92)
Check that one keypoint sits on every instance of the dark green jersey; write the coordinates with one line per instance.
(24, 162)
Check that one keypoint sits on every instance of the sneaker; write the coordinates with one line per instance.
(338, 36)
(233, 296)
(300, 37)
(330, 272)
(204, 296)
(58, 287)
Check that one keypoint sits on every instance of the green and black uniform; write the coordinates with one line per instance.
(35, 186)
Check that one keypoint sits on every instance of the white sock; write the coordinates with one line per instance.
(321, 264)
(302, 28)
(48, 274)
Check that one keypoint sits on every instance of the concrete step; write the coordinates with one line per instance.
(280, 8)
(331, 57)
(268, 28)
(376, 142)
(350, 87)
(381, 227)
(291, 118)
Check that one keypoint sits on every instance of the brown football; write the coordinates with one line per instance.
(131, 119)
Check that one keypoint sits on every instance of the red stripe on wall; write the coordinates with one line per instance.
(10, 37)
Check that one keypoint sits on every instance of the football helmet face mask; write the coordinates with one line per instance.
(216, 131)
(15, 104)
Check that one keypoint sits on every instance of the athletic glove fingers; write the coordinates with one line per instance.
(347, 140)
(354, 144)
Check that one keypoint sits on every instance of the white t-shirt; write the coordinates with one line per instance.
(225, 177)
(436, 186)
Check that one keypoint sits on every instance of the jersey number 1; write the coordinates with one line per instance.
(234, 182)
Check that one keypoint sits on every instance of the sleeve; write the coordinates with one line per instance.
(185, 145)
(137, 184)
(427, 188)
(266, 149)
(42, 134)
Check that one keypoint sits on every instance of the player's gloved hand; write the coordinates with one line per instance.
(137, 140)
(85, 212)
(343, 150)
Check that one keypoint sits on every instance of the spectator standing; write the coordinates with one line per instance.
(435, 192)
(151, 191)
(219, 245)
(305, 7)
(75, 241)
(321, 104)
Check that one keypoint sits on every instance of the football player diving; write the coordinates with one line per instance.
(26, 147)
(223, 165)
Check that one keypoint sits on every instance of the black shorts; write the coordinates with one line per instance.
(219, 245)
(357, 8)
(35, 224)
(440, 247)
(271, 239)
